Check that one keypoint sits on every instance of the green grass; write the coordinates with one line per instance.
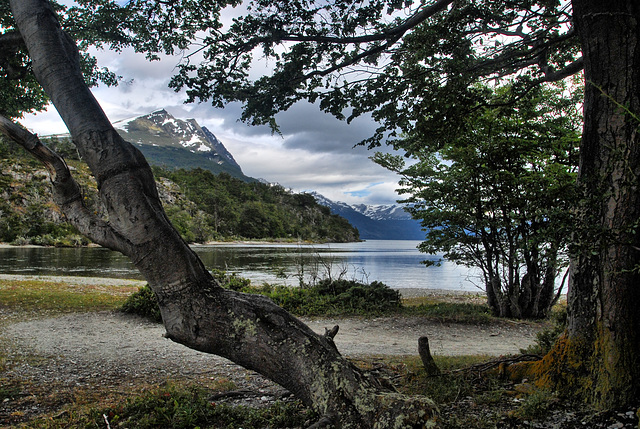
(59, 297)
(176, 406)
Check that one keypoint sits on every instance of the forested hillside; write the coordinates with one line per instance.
(203, 206)
(223, 206)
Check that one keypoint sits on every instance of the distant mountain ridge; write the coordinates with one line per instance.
(376, 222)
(175, 143)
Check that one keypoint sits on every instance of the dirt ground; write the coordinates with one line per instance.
(85, 349)
(113, 350)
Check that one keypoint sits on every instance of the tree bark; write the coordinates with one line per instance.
(599, 355)
(604, 292)
(425, 355)
(247, 329)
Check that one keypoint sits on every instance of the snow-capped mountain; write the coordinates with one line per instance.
(176, 143)
(376, 222)
(382, 211)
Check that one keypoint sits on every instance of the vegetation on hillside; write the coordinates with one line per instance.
(28, 214)
(228, 207)
(202, 206)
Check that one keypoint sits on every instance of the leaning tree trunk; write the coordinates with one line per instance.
(247, 329)
(599, 354)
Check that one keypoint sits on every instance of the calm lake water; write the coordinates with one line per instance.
(394, 262)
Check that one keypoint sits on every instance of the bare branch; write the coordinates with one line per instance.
(10, 39)
(66, 191)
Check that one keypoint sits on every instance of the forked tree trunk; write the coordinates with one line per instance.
(599, 354)
(247, 329)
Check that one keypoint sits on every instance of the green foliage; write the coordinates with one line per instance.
(333, 297)
(204, 206)
(336, 297)
(231, 281)
(328, 298)
(27, 212)
(20, 92)
(413, 68)
(498, 195)
(417, 70)
(546, 338)
(224, 206)
(180, 408)
(144, 303)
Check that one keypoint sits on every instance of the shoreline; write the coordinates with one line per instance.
(109, 281)
(208, 243)
(75, 280)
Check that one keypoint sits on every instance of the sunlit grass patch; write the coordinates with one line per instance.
(465, 312)
(61, 297)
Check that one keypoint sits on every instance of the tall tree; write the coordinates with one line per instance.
(603, 322)
(197, 312)
(415, 66)
(497, 196)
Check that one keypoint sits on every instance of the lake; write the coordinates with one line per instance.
(394, 262)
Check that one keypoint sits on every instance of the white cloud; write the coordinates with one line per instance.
(315, 152)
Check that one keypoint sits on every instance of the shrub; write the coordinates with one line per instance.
(328, 297)
(143, 303)
(336, 297)
(548, 337)
(232, 281)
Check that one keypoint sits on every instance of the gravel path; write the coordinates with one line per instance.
(111, 345)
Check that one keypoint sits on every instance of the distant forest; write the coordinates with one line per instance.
(202, 206)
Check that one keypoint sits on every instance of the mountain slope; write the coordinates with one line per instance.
(175, 143)
(376, 222)
(202, 206)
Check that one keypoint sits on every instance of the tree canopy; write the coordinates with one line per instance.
(410, 64)
(499, 195)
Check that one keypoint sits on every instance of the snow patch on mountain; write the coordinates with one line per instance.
(376, 222)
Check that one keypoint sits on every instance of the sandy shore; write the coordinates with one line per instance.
(74, 280)
(77, 280)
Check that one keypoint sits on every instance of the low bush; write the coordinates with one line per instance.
(330, 298)
(144, 303)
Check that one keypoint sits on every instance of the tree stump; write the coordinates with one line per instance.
(425, 354)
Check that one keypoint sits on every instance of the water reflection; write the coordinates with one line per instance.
(394, 262)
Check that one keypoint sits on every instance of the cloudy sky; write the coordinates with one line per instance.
(315, 152)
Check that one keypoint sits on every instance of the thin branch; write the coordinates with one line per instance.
(515, 58)
(11, 39)
(391, 34)
(66, 191)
